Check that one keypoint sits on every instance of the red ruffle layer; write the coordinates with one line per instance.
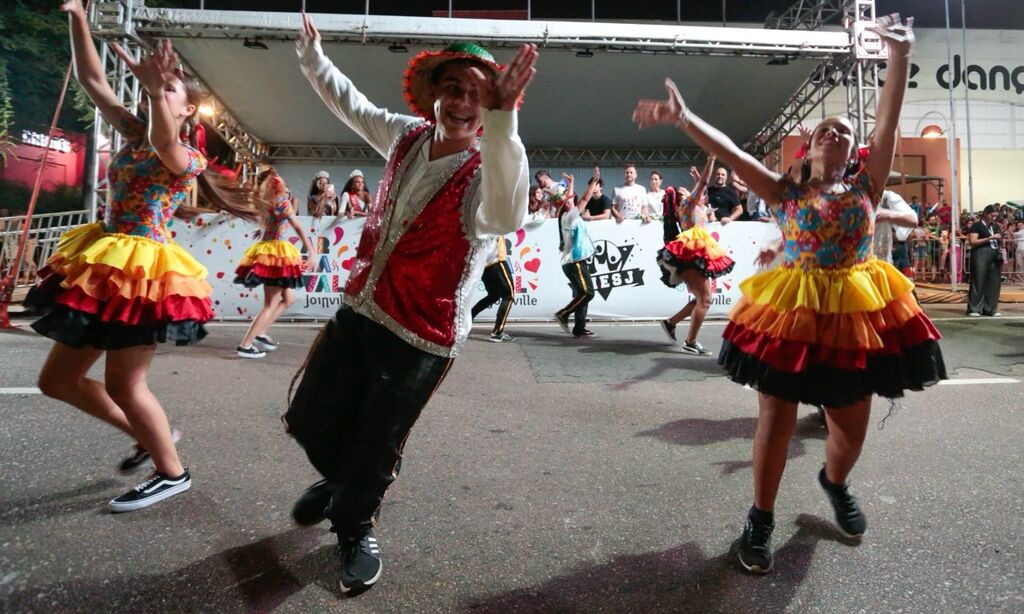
(270, 272)
(797, 356)
(137, 311)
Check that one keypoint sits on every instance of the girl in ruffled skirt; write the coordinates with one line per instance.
(273, 263)
(691, 257)
(832, 325)
(122, 285)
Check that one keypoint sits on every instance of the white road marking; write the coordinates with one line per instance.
(20, 391)
(971, 381)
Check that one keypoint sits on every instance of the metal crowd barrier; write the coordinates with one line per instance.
(44, 231)
(928, 259)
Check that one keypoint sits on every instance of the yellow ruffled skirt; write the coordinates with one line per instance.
(111, 290)
(831, 336)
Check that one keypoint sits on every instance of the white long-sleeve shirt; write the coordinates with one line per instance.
(504, 168)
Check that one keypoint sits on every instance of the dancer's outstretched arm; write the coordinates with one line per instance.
(900, 38)
(377, 126)
(674, 112)
(90, 74)
(704, 178)
(158, 72)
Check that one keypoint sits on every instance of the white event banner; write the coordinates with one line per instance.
(626, 276)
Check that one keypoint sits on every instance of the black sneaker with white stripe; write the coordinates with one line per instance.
(669, 328)
(134, 461)
(265, 343)
(694, 347)
(249, 352)
(360, 562)
(157, 488)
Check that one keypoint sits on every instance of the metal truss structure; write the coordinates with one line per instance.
(110, 18)
(856, 69)
(113, 21)
(807, 15)
(556, 157)
(795, 33)
(378, 29)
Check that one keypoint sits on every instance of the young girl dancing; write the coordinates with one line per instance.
(693, 257)
(273, 262)
(832, 326)
(121, 285)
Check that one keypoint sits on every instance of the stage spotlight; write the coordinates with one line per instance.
(397, 48)
(206, 110)
(586, 53)
(254, 43)
(932, 131)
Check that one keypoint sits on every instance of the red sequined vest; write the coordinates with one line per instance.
(413, 273)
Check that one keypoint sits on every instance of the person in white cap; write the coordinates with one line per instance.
(355, 198)
(322, 199)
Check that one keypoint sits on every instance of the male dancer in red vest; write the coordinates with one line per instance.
(444, 191)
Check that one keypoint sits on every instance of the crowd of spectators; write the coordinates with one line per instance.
(927, 252)
(325, 200)
(728, 196)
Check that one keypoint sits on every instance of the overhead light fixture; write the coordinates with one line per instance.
(206, 109)
(585, 53)
(254, 43)
(932, 131)
(397, 48)
(781, 60)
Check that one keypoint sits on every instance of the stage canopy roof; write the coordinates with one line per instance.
(574, 102)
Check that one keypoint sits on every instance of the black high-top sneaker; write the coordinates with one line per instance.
(311, 506)
(849, 518)
(756, 542)
(360, 561)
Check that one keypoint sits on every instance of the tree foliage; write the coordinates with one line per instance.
(35, 49)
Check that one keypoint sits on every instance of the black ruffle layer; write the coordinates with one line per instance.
(887, 375)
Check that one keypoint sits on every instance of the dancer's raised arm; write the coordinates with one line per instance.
(89, 73)
(159, 74)
(899, 36)
(377, 126)
(673, 111)
(704, 178)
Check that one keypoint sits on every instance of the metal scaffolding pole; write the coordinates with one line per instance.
(954, 160)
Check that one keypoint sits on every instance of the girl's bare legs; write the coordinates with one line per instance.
(63, 377)
(683, 313)
(272, 296)
(700, 287)
(125, 380)
(776, 422)
(288, 298)
(847, 428)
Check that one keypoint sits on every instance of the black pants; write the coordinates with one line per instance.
(983, 295)
(582, 293)
(361, 393)
(497, 280)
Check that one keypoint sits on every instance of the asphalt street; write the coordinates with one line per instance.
(551, 474)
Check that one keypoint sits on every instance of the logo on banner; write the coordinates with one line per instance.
(718, 293)
(606, 268)
(526, 268)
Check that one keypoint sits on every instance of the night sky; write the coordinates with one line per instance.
(927, 13)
